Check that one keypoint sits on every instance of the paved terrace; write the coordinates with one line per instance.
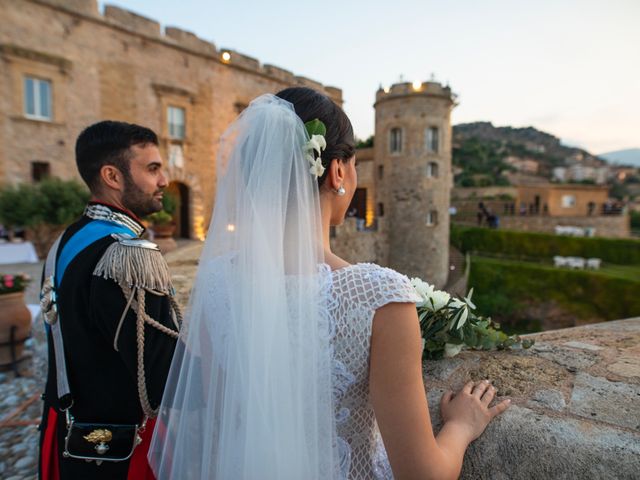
(575, 412)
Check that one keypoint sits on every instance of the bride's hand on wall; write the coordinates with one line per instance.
(468, 410)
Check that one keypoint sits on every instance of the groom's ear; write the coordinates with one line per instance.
(112, 178)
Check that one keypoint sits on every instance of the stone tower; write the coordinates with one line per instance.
(413, 176)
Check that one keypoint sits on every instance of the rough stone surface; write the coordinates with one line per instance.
(595, 396)
(551, 399)
(573, 416)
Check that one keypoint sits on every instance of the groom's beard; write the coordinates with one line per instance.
(139, 202)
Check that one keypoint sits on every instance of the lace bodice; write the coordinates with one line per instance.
(357, 292)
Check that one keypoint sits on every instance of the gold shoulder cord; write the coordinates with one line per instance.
(138, 267)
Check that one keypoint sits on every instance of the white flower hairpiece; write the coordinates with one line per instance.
(317, 143)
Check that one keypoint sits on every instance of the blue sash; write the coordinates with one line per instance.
(90, 233)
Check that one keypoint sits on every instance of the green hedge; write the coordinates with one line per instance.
(526, 245)
(505, 289)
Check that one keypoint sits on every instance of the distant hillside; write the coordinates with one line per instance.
(630, 156)
(479, 149)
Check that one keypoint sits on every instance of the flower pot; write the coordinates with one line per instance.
(165, 244)
(164, 231)
(13, 313)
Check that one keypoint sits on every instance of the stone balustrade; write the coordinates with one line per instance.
(575, 410)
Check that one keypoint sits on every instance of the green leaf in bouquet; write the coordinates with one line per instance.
(527, 343)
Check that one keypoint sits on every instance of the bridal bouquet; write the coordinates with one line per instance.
(447, 324)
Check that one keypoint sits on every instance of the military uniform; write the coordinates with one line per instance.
(116, 363)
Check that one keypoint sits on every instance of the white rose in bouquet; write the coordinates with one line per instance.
(449, 324)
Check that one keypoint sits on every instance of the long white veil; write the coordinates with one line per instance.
(249, 392)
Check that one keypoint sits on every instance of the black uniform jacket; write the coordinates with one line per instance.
(103, 381)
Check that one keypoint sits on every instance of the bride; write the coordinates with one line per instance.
(294, 364)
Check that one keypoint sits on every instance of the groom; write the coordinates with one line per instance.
(111, 319)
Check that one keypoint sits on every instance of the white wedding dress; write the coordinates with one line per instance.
(357, 292)
(269, 380)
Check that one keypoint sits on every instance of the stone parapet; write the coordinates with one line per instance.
(190, 40)
(280, 73)
(139, 25)
(132, 21)
(85, 7)
(427, 89)
(610, 226)
(575, 410)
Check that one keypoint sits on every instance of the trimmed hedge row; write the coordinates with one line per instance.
(544, 246)
(504, 289)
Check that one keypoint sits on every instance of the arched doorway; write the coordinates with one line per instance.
(181, 215)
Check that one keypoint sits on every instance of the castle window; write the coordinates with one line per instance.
(432, 218)
(381, 209)
(37, 98)
(432, 139)
(395, 140)
(40, 171)
(176, 156)
(432, 170)
(380, 172)
(175, 121)
(568, 201)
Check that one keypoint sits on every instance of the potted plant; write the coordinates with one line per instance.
(15, 317)
(163, 225)
(162, 222)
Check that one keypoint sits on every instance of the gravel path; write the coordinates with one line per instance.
(20, 404)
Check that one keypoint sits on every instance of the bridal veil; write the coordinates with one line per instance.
(249, 392)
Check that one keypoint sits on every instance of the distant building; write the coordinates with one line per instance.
(579, 172)
(540, 207)
(563, 200)
(524, 165)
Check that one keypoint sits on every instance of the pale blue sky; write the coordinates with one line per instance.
(569, 67)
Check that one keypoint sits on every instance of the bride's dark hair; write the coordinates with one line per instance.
(310, 105)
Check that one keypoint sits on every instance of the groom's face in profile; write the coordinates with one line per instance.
(145, 181)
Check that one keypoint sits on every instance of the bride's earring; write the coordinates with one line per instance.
(341, 191)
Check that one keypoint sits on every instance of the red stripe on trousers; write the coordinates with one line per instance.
(49, 452)
(139, 468)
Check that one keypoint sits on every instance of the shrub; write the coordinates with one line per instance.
(527, 245)
(18, 205)
(169, 203)
(505, 288)
(59, 202)
(45, 208)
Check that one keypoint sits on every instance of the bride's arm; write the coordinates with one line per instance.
(400, 403)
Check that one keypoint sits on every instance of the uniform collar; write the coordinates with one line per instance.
(109, 213)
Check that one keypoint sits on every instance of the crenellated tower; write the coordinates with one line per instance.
(413, 176)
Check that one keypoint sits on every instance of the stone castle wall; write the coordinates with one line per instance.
(356, 246)
(121, 66)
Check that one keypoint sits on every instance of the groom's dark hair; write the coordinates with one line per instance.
(309, 105)
(108, 143)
